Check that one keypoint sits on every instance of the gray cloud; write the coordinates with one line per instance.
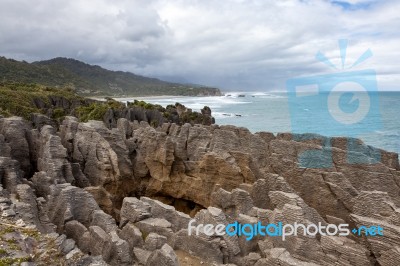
(246, 45)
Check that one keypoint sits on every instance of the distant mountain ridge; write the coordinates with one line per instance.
(93, 80)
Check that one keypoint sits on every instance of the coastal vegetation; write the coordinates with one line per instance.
(90, 80)
(19, 99)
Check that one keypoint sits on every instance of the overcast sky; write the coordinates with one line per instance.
(236, 45)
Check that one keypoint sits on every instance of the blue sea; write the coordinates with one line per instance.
(276, 112)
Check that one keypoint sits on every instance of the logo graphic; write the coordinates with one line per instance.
(344, 103)
(250, 231)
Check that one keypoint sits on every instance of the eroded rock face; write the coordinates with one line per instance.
(99, 186)
(14, 132)
(191, 162)
(101, 161)
(52, 156)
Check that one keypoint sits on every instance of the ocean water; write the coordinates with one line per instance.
(274, 112)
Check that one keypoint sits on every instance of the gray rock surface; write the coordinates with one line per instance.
(125, 192)
(134, 210)
(163, 257)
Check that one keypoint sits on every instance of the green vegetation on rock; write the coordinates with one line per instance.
(29, 100)
(145, 105)
(97, 110)
(93, 80)
(24, 99)
(15, 239)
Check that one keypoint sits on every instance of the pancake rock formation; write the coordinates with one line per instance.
(126, 195)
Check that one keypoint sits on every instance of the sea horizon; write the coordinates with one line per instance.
(270, 112)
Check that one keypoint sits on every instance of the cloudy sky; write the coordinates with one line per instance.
(232, 44)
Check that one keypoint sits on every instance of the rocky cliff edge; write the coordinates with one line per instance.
(125, 195)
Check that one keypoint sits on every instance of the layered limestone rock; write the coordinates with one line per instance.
(129, 193)
(101, 161)
(190, 162)
(14, 132)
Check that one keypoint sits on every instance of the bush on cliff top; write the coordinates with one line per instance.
(19, 99)
(97, 110)
(148, 106)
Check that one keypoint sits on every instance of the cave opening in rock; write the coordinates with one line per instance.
(2, 179)
(183, 205)
(33, 170)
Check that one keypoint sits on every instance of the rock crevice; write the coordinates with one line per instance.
(127, 194)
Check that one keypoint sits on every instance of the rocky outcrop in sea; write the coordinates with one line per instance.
(125, 194)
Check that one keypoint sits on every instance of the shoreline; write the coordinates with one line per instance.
(150, 97)
(238, 111)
